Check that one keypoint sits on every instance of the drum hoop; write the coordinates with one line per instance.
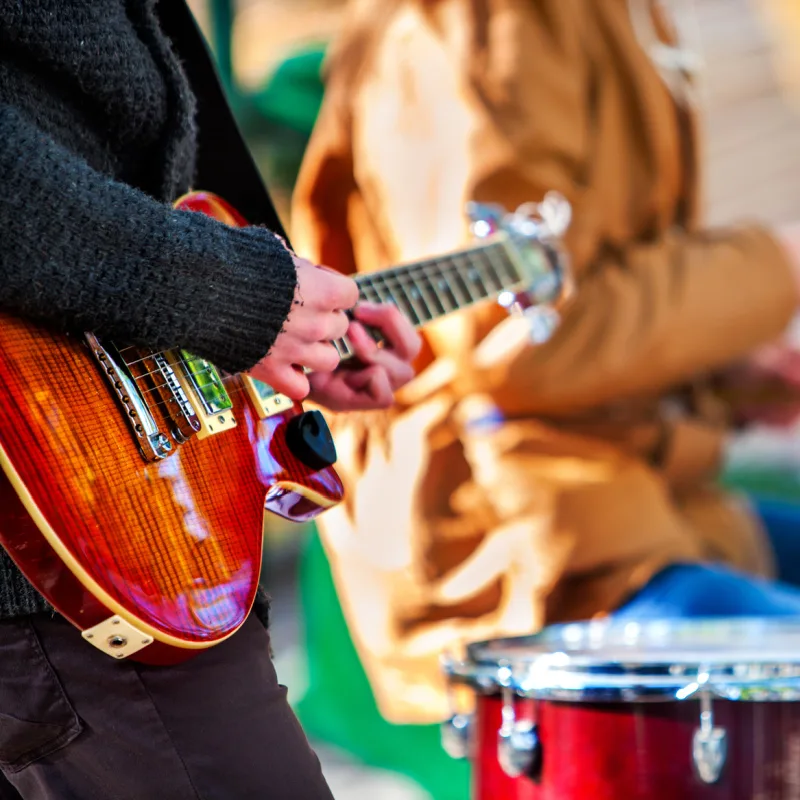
(593, 662)
(744, 683)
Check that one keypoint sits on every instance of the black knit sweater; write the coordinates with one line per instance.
(97, 138)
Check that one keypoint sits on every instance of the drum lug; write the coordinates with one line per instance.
(710, 742)
(709, 753)
(519, 748)
(456, 731)
(456, 734)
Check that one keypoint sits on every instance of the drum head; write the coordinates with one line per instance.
(742, 659)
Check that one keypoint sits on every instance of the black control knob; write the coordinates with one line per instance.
(309, 438)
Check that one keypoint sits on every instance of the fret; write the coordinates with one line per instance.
(465, 275)
(406, 305)
(504, 266)
(455, 285)
(442, 289)
(387, 293)
(476, 272)
(483, 258)
(375, 287)
(413, 289)
(476, 261)
(428, 289)
(367, 290)
(407, 288)
(380, 288)
(390, 287)
(426, 286)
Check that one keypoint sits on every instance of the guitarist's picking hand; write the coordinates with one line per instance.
(316, 319)
(371, 382)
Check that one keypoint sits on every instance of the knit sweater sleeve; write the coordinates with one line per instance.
(80, 251)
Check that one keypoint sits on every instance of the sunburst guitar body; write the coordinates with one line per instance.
(134, 484)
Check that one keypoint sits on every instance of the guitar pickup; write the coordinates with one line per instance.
(202, 384)
(266, 401)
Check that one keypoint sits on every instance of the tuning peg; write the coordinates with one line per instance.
(485, 218)
(542, 322)
(555, 213)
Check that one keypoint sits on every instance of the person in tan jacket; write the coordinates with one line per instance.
(517, 485)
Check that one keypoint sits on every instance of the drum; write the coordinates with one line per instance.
(690, 709)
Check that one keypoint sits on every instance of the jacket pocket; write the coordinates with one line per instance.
(36, 717)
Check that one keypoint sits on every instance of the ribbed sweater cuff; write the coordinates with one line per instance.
(250, 300)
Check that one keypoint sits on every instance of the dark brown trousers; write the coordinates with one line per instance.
(75, 725)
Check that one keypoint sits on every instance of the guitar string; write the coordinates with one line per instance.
(225, 380)
(403, 283)
(389, 295)
(488, 279)
(492, 277)
(503, 272)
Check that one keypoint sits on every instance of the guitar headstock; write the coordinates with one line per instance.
(532, 237)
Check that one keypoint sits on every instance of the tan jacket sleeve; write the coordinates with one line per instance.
(646, 317)
(655, 316)
(460, 104)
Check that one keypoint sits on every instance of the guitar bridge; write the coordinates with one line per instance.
(181, 412)
(153, 444)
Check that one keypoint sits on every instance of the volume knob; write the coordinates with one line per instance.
(309, 438)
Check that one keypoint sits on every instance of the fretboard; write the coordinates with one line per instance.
(427, 290)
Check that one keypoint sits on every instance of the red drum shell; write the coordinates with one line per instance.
(641, 751)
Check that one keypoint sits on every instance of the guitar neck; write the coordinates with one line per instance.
(435, 287)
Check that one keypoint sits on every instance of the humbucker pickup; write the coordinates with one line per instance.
(266, 401)
(203, 385)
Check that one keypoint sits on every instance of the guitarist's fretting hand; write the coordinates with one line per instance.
(316, 319)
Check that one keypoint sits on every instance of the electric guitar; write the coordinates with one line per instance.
(134, 483)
